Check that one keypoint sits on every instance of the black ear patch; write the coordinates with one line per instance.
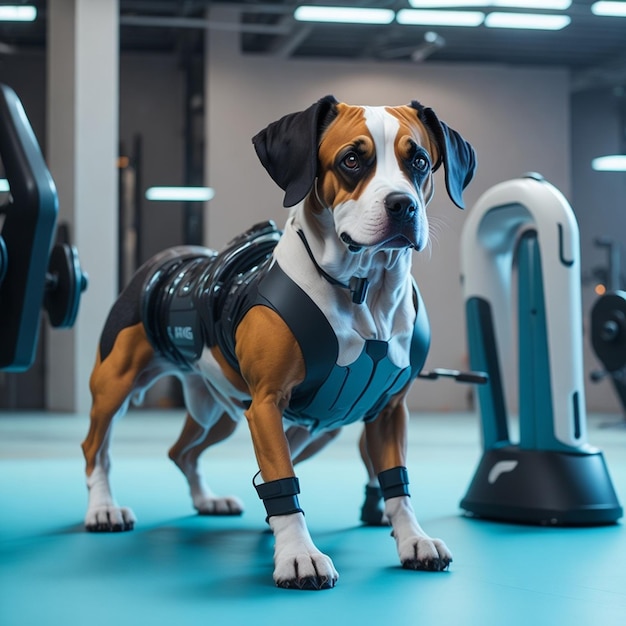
(288, 148)
(457, 155)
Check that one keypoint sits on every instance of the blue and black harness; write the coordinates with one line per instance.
(197, 300)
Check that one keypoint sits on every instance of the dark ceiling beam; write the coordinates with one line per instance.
(201, 23)
(286, 46)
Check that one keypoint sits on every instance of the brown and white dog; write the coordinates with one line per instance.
(360, 179)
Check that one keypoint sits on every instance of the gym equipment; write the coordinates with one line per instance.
(608, 324)
(28, 269)
(65, 282)
(552, 476)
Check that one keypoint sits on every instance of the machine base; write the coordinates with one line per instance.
(543, 487)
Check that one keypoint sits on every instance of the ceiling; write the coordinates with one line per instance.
(593, 47)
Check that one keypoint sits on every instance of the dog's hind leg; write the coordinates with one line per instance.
(372, 511)
(112, 382)
(204, 426)
(303, 445)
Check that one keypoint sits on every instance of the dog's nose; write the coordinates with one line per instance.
(401, 206)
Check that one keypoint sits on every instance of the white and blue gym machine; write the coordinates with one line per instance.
(552, 475)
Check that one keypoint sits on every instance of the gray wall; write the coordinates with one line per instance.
(152, 105)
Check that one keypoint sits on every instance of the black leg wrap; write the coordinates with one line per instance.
(280, 497)
(394, 482)
(372, 511)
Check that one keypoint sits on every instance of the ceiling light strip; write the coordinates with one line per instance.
(440, 18)
(610, 163)
(20, 13)
(527, 21)
(180, 194)
(609, 9)
(549, 5)
(349, 15)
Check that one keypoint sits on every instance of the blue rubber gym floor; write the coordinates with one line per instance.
(179, 568)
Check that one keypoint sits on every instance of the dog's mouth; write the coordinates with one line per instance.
(398, 241)
(353, 246)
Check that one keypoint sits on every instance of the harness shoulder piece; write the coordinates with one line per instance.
(169, 314)
(184, 295)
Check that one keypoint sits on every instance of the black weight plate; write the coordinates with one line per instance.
(62, 299)
(608, 330)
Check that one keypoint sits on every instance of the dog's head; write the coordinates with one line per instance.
(371, 166)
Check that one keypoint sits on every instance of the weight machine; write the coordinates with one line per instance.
(35, 272)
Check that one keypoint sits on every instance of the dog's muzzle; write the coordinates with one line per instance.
(401, 207)
(403, 227)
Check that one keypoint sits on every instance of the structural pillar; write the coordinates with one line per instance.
(82, 146)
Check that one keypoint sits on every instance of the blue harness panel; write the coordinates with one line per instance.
(332, 395)
(181, 317)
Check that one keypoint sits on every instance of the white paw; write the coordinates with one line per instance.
(109, 519)
(298, 564)
(207, 505)
(305, 570)
(424, 553)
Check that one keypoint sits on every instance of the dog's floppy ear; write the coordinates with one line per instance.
(456, 154)
(288, 148)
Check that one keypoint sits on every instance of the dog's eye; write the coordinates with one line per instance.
(351, 161)
(421, 163)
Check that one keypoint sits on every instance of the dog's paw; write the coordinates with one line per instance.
(298, 564)
(109, 519)
(372, 511)
(424, 553)
(306, 571)
(218, 506)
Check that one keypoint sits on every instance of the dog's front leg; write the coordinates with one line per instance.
(271, 364)
(386, 441)
(298, 564)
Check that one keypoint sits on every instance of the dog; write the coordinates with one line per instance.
(301, 331)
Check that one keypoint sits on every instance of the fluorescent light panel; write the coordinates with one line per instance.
(349, 15)
(4, 185)
(527, 21)
(18, 13)
(446, 4)
(610, 9)
(180, 194)
(440, 18)
(610, 163)
(550, 5)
